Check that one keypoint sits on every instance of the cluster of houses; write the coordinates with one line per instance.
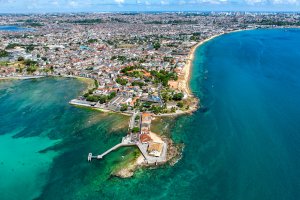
(7, 70)
(69, 47)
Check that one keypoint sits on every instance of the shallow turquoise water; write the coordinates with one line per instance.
(44, 141)
(243, 144)
(22, 166)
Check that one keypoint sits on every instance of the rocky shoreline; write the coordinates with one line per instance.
(174, 152)
(173, 156)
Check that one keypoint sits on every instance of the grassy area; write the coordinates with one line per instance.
(4, 63)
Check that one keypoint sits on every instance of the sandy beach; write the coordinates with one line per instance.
(185, 84)
(184, 80)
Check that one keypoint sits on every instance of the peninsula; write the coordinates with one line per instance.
(139, 64)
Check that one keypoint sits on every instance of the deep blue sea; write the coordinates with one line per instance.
(243, 144)
(250, 83)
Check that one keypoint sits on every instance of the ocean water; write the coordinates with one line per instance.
(243, 143)
(250, 135)
(44, 141)
(14, 28)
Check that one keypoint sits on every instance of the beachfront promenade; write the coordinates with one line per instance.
(21, 77)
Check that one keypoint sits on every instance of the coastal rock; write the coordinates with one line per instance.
(173, 156)
(124, 173)
(174, 152)
(128, 170)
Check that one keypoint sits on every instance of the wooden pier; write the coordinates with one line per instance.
(125, 142)
(142, 148)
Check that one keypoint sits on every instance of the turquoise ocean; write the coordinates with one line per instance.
(244, 143)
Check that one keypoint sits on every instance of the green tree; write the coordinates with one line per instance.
(178, 97)
(86, 95)
(102, 99)
(130, 68)
(156, 45)
(121, 81)
(147, 104)
(124, 107)
(32, 68)
(90, 41)
(29, 62)
(20, 58)
(3, 53)
(91, 91)
(29, 48)
(12, 45)
(156, 109)
(180, 104)
(112, 95)
(136, 130)
(92, 98)
(96, 84)
(173, 109)
(163, 76)
(137, 83)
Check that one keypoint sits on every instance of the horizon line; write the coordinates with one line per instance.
(174, 11)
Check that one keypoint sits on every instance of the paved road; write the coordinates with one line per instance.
(132, 119)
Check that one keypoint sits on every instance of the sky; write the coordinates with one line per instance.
(42, 6)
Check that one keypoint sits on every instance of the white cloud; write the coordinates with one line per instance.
(215, 1)
(253, 2)
(8, 1)
(273, 2)
(55, 3)
(164, 2)
(120, 1)
(73, 3)
(285, 1)
(207, 1)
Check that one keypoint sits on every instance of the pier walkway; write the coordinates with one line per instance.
(142, 148)
(125, 142)
(114, 148)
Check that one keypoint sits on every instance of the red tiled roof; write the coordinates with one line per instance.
(145, 138)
